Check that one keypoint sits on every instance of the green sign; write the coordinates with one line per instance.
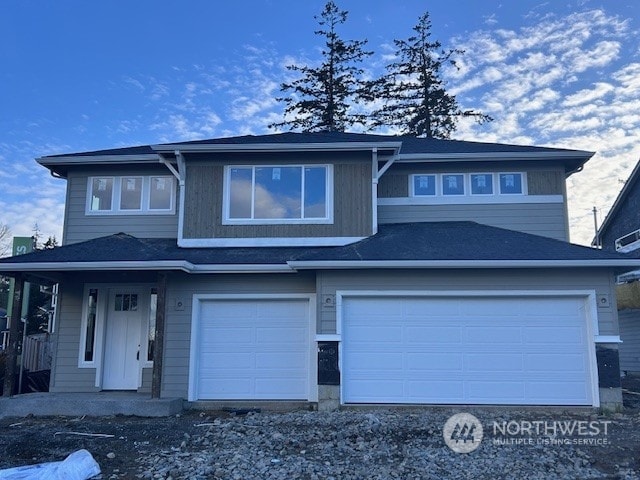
(21, 245)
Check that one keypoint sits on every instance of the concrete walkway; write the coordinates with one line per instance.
(90, 404)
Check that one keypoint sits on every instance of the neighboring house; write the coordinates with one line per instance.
(620, 231)
(333, 268)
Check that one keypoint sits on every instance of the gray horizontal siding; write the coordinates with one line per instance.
(78, 226)
(544, 219)
(461, 280)
(630, 335)
(65, 374)
(175, 374)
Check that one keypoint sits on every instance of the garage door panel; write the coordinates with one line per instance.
(549, 362)
(226, 335)
(434, 361)
(233, 360)
(377, 334)
(503, 350)
(380, 361)
(362, 390)
(502, 334)
(494, 362)
(561, 335)
(440, 391)
(564, 392)
(253, 349)
(418, 307)
(228, 309)
(228, 387)
(433, 333)
(282, 334)
(496, 392)
(283, 360)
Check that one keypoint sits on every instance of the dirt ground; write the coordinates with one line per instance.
(117, 443)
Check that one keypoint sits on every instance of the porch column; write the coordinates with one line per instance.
(158, 347)
(12, 347)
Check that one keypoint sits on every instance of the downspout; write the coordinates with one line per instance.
(374, 189)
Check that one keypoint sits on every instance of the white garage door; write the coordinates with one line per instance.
(471, 350)
(253, 349)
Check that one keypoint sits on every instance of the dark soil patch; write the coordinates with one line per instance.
(31, 440)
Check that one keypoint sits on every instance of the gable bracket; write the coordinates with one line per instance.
(179, 173)
(385, 167)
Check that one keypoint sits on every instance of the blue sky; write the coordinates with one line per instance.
(81, 75)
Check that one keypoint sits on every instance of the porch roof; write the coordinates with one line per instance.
(408, 245)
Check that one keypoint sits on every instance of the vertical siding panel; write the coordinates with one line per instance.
(353, 216)
(629, 320)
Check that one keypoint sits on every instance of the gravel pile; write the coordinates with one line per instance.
(376, 444)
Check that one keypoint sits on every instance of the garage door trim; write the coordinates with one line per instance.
(194, 354)
(589, 297)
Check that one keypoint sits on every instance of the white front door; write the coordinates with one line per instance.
(121, 365)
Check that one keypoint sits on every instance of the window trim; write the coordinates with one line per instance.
(468, 195)
(522, 183)
(412, 184)
(121, 182)
(116, 196)
(226, 198)
(493, 184)
(98, 329)
(465, 190)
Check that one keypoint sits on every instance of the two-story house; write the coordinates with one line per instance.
(334, 268)
(620, 231)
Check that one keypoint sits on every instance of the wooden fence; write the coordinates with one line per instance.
(36, 352)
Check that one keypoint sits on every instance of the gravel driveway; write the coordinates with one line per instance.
(350, 444)
(408, 444)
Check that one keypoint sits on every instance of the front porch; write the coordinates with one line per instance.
(91, 404)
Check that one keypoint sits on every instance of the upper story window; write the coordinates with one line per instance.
(278, 194)
(128, 195)
(467, 184)
(453, 184)
(481, 183)
(510, 183)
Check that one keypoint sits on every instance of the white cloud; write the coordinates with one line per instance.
(588, 95)
(539, 93)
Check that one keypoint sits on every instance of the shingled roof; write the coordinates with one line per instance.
(410, 245)
(409, 145)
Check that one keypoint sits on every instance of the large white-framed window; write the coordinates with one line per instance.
(278, 194)
(472, 186)
(131, 195)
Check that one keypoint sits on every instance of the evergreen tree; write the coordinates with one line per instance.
(412, 92)
(321, 98)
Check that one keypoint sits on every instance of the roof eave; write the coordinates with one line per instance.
(58, 164)
(461, 264)
(572, 159)
(173, 265)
